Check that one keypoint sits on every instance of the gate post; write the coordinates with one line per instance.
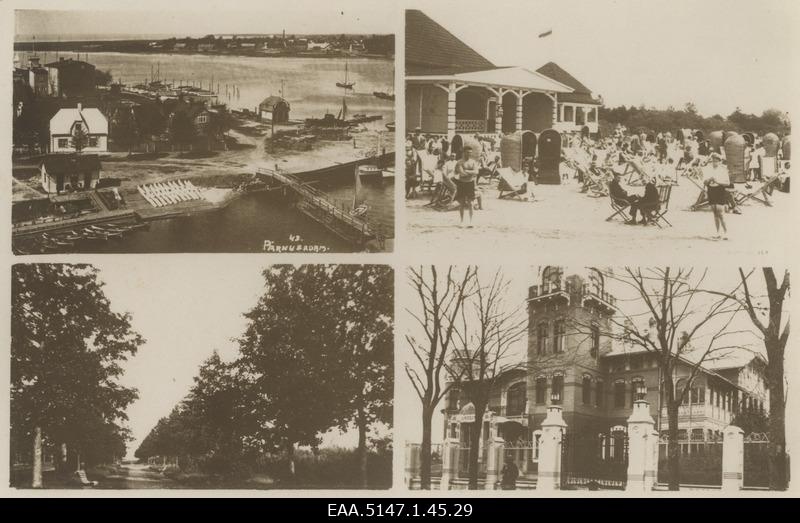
(450, 449)
(651, 469)
(412, 463)
(494, 461)
(640, 427)
(732, 459)
(553, 429)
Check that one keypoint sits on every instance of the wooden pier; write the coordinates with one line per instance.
(317, 206)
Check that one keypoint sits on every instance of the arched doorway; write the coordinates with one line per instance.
(549, 157)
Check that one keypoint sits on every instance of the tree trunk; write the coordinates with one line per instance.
(425, 449)
(361, 451)
(36, 481)
(475, 446)
(673, 448)
(777, 416)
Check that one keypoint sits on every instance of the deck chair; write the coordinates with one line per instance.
(83, 480)
(761, 194)
(512, 184)
(620, 209)
(658, 215)
(638, 174)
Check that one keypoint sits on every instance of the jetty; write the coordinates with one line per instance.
(356, 230)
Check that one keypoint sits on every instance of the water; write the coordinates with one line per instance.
(309, 83)
(245, 224)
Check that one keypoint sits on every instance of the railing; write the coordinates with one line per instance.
(512, 413)
(700, 462)
(470, 126)
(546, 289)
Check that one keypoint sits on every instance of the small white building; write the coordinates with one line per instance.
(66, 123)
(318, 46)
(69, 172)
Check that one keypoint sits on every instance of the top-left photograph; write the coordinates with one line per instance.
(191, 131)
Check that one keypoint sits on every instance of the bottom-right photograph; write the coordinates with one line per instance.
(635, 379)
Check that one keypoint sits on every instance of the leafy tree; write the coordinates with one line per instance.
(102, 77)
(125, 129)
(79, 139)
(67, 346)
(181, 130)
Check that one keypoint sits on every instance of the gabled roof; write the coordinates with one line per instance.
(62, 121)
(510, 77)
(70, 163)
(580, 94)
(432, 49)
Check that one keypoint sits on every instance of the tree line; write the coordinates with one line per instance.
(651, 119)
(317, 354)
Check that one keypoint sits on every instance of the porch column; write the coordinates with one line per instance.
(520, 95)
(449, 462)
(412, 463)
(553, 428)
(640, 427)
(494, 462)
(451, 110)
(732, 459)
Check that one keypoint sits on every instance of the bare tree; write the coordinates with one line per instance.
(441, 298)
(774, 328)
(682, 330)
(487, 329)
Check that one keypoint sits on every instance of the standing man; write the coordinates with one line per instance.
(466, 174)
(716, 180)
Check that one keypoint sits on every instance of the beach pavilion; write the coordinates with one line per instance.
(451, 89)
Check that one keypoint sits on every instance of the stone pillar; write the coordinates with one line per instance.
(732, 459)
(651, 467)
(640, 426)
(450, 449)
(553, 429)
(498, 114)
(518, 126)
(494, 461)
(412, 463)
(451, 111)
(554, 99)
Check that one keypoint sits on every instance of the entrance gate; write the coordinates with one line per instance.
(594, 461)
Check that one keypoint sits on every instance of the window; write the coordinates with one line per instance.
(679, 387)
(560, 331)
(598, 394)
(580, 118)
(568, 116)
(452, 399)
(697, 434)
(541, 390)
(63, 143)
(541, 347)
(591, 116)
(551, 276)
(619, 394)
(586, 390)
(637, 362)
(698, 395)
(596, 282)
(92, 141)
(515, 399)
(556, 396)
(595, 348)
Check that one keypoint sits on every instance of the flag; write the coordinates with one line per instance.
(546, 33)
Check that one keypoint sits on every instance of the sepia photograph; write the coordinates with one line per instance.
(642, 379)
(208, 131)
(127, 376)
(620, 126)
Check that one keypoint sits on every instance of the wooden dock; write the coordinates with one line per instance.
(317, 206)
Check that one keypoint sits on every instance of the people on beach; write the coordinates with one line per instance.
(716, 181)
(620, 195)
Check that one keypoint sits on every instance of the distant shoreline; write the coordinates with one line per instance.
(142, 47)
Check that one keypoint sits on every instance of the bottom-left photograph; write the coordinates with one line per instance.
(226, 374)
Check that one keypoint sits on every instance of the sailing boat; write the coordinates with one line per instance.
(360, 207)
(347, 84)
(385, 95)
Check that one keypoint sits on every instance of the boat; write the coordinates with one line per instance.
(382, 95)
(369, 172)
(390, 126)
(347, 84)
(360, 207)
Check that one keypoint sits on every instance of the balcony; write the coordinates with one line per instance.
(603, 300)
(470, 126)
(548, 291)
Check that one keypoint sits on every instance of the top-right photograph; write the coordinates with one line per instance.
(621, 127)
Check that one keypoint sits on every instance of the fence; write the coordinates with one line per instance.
(756, 467)
(699, 462)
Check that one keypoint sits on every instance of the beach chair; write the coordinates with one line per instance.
(82, 480)
(620, 209)
(761, 194)
(512, 184)
(658, 215)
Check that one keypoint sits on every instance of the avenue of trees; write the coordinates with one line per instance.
(67, 351)
(317, 354)
(687, 117)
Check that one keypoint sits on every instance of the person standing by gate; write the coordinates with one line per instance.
(510, 474)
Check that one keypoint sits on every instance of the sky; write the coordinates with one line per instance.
(718, 54)
(183, 18)
(521, 277)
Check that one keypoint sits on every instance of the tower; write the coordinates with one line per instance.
(568, 314)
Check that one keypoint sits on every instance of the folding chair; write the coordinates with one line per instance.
(511, 184)
(761, 194)
(620, 209)
(658, 216)
(83, 480)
